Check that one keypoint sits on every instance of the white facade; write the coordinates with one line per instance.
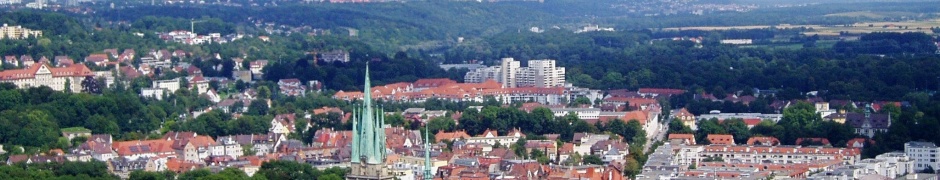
(539, 73)
(170, 85)
(583, 113)
(482, 74)
(508, 74)
(924, 154)
(17, 32)
(156, 93)
(44, 75)
(544, 73)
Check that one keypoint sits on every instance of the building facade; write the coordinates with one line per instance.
(59, 79)
(17, 32)
(539, 73)
(924, 154)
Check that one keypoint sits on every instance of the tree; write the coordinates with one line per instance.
(677, 127)
(258, 107)
(146, 175)
(441, 124)
(929, 170)
(593, 159)
(90, 85)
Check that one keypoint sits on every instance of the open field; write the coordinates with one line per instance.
(857, 28)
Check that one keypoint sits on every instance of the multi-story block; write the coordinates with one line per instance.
(17, 32)
(924, 154)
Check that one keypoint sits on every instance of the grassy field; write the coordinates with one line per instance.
(857, 28)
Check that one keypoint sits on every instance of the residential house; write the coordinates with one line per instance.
(122, 166)
(291, 87)
(686, 117)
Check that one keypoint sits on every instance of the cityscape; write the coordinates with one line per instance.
(478, 90)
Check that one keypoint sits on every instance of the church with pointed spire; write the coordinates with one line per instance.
(367, 159)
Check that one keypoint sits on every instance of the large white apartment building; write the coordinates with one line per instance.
(44, 75)
(924, 154)
(539, 73)
(17, 32)
(2, 2)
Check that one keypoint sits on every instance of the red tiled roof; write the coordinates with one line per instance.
(772, 141)
(723, 139)
(76, 70)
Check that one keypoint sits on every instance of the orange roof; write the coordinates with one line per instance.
(441, 135)
(424, 83)
(125, 148)
(772, 141)
(683, 113)
(75, 70)
(723, 139)
(639, 116)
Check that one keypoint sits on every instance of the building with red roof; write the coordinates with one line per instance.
(763, 141)
(46, 75)
(720, 139)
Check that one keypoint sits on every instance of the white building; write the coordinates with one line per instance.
(170, 85)
(924, 154)
(156, 93)
(508, 73)
(888, 165)
(482, 74)
(17, 32)
(44, 75)
(539, 73)
(583, 113)
(5, 2)
(490, 137)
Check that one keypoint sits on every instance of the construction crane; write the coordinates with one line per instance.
(192, 24)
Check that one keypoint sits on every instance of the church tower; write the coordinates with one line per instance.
(367, 159)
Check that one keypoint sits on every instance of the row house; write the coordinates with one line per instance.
(781, 154)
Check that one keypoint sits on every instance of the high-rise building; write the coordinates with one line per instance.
(539, 73)
(368, 147)
(508, 70)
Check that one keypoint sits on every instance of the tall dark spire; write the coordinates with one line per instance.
(368, 130)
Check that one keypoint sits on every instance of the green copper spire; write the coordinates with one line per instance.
(427, 155)
(368, 144)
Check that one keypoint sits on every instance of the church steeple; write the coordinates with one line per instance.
(368, 130)
(427, 155)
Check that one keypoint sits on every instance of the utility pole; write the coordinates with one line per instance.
(192, 25)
